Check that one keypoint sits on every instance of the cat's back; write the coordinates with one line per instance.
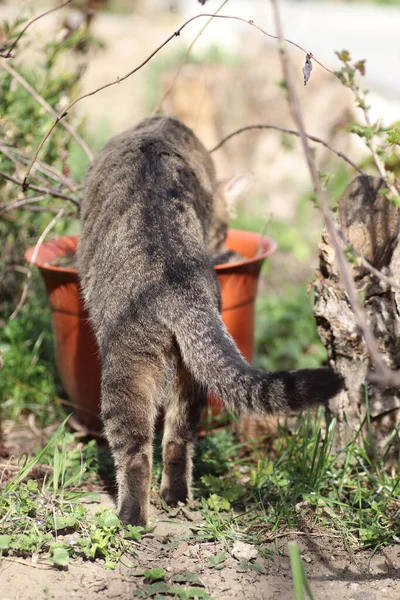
(146, 213)
(154, 152)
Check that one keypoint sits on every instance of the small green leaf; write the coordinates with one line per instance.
(344, 56)
(216, 560)
(133, 532)
(147, 591)
(155, 575)
(109, 519)
(65, 522)
(393, 136)
(188, 577)
(218, 503)
(5, 541)
(59, 557)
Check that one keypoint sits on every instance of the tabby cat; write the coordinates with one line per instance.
(153, 218)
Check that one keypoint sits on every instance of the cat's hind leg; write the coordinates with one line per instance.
(131, 383)
(182, 417)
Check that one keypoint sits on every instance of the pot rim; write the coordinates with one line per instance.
(266, 244)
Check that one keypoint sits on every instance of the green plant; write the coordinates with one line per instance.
(308, 485)
(286, 335)
(29, 373)
(42, 510)
(300, 581)
(158, 584)
(29, 98)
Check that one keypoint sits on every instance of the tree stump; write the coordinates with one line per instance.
(371, 225)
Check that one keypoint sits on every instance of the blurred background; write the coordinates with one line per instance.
(231, 78)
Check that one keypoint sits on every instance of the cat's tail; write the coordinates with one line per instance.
(214, 360)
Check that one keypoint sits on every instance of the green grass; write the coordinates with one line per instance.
(347, 493)
(29, 378)
(42, 510)
(243, 495)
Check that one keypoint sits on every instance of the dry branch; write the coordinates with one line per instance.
(22, 81)
(292, 132)
(9, 52)
(176, 33)
(34, 255)
(37, 188)
(382, 374)
(157, 108)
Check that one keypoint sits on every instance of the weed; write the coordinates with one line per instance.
(47, 516)
(29, 375)
(158, 584)
(308, 487)
(300, 581)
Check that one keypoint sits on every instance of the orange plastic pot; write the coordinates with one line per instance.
(75, 345)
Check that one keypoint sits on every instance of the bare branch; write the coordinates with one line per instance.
(141, 65)
(34, 255)
(19, 203)
(383, 375)
(43, 170)
(188, 51)
(9, 52)
(363, 261)
(292, 132)
(22, 81)
(36, 188)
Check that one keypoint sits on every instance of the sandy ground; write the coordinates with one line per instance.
(332, 572)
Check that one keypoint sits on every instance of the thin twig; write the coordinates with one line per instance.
(8, 54)
(363, 261)
(37, 188)
(71, 130)
(18, 203)
(176, 33)
(34, 255)
(43, 170)
(292, 132)
(188, 51)
(377, 160)
(383, 375)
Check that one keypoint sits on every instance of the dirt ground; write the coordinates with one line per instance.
(332, 572)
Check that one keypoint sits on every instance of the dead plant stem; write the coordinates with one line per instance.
(383, 375)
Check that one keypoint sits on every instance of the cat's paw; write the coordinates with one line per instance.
(174, 494)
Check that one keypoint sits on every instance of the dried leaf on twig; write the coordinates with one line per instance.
(307, 68)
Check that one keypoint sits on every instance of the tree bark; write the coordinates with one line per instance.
(371, 224)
